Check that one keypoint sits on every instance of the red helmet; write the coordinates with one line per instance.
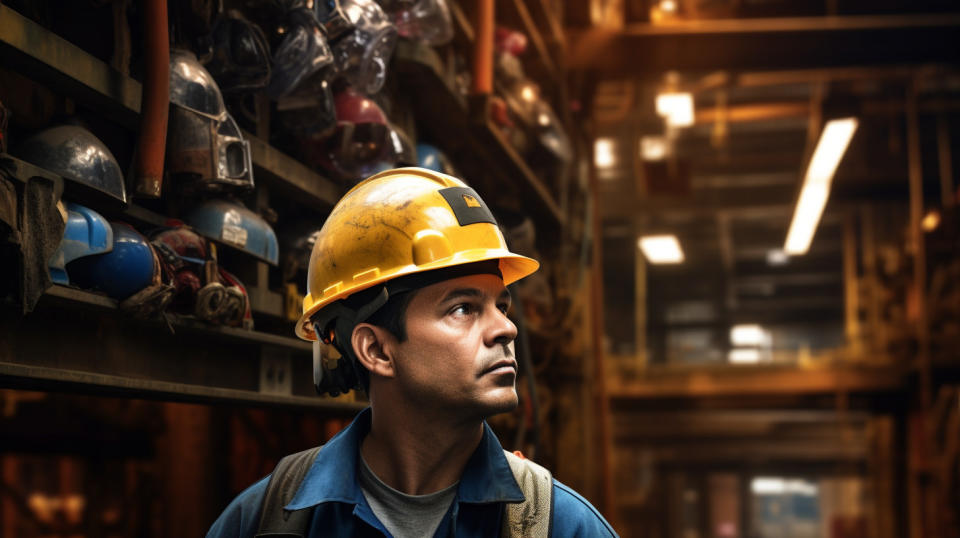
(361, 141)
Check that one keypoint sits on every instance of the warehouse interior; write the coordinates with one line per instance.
(746, 214)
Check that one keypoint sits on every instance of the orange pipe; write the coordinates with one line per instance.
(154, 101)
(483, 48)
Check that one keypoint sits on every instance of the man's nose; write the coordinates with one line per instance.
(502, 330)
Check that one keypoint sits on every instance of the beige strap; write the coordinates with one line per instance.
(530, 518)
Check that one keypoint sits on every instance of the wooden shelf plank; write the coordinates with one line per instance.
(43, 378)
(115, 355)
(52, 60)
(542, 59)
(81, 297)
(280, 170)
(757, 382)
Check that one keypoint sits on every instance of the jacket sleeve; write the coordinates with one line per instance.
(241, 518)
(574, 516)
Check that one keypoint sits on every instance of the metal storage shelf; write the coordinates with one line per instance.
(420, 70)
(25, 45)
(229, 363)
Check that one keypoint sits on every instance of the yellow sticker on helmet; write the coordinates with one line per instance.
(471, 201)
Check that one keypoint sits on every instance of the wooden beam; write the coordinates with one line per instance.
(756, 382)
(786, 43)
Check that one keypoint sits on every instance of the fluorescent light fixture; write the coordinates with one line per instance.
(603, 153)
(777, 257)
(765, 485)
(816, 184)
(930, 221)
(654, 148)
(676, 107)
(661, 249)
(743, 356)
(768, 486)
(749, 335)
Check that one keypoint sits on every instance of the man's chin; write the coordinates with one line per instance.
(502, 404)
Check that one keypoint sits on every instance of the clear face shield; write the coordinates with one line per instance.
(204, 143)
(362, 39)
(421, 20)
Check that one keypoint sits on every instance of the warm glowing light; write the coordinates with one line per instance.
(930, 221)
(603, 153)
(543, 119)
(816, 184)
(743, 356)
(777, 257)
(654, 148)
(661, 249)
(528, 94)
(749, 335)
(668, 6)
(777, 486)
(677, 108)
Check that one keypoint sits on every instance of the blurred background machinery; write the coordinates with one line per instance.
(747, 319)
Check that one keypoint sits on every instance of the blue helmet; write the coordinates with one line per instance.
(431, 158)
(233, 224)
(128, 268)
(86, 233)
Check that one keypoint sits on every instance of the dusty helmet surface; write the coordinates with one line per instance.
(402, 222)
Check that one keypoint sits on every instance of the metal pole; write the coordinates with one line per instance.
(602, 403)
(945, 158)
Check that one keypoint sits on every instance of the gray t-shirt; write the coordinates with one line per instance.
(405, 516)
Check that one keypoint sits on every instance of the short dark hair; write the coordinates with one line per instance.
(393, 315)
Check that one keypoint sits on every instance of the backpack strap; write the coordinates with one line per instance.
(534, 516)
(275, 522)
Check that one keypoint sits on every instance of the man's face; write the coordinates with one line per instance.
(458, 355)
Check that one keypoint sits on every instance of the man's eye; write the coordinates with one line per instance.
(462, 309)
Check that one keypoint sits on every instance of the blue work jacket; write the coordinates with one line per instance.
(341, 509)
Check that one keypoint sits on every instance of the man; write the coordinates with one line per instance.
(407, 282)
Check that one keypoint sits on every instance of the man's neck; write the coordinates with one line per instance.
(419, 456)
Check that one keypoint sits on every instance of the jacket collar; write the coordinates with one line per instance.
(487, 477)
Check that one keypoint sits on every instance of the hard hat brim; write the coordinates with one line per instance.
(513, 267)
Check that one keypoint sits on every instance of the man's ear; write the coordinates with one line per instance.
(371, 345)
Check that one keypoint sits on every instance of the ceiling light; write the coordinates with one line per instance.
(603, 153)
(654, 148)
(930, 221)
(676, 107)
(528, 94)
(743, 356)
(777, 257)
(749, 335)
(661, 249)
(816, 184)
(668, 6)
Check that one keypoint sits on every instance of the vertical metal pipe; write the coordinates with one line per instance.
(602, 403)
(923, 491)
(155, 101)
(483, 48)
(851, 286)
(945, 158)
(915, 170)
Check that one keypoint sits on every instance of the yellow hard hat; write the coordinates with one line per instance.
(400, 222)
